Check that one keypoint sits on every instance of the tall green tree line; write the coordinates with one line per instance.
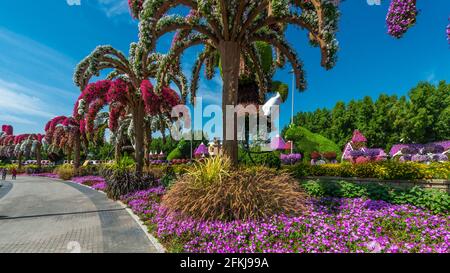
(422, 116)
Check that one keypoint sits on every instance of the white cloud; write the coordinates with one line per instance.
(14, 101)
(114, 7)
(11, 119)
(73, 2)
(35, 82)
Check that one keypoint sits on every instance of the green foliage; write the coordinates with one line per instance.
(265, 51)
(387, 170)
(307, 142)
(157, 145)
(270, 159)
(169, 177)
(432, 199)
(421, 118)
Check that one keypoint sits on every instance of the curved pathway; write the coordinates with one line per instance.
(40, 215)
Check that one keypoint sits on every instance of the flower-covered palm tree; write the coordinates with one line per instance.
(233, 29)
(6, 145)
(65, 133)
(27, 145)
(126, 90)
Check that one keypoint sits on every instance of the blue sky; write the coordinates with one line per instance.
(42, 41)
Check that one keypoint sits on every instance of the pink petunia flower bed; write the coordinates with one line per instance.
(47, 175)
(329, 225)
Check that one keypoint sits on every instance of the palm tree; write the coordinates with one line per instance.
(130, 88)
(28, 145)
(66, 133)
(233, 28)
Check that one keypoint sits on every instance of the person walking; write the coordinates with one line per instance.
(4, 173)
(13, 173)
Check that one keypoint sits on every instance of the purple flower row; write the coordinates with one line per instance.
(347, 225)
(290, 158)
(96, 182)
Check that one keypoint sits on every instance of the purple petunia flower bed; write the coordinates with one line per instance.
(329, 225)
(96, 182)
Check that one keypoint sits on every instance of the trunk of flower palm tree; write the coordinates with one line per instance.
(19, 159)
(138, 120)
(77, 148)
(69, 156)
(163, 130)
(117, 152)
(230, 60)
(38, 156)
(147, 141)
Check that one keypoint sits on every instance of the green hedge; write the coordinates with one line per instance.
(387, 170)
(432, 199)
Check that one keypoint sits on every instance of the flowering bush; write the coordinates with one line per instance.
(401, 16)
(290, 159)
(421, 153)
(433, 199)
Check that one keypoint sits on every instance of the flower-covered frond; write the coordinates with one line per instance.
(254, 10)
(179, 79)
(318, 17)
(96, 91)
(117, 110)
(103, 57)
(211, 62)
(281, 44)
(151, 14)
(173, 56)
(135, 7)
(196, 74)
(176, 22)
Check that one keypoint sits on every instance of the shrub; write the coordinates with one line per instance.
(435, 200)
(121, 182)
(241, 194)
(268, 159)
(169, 177)
(65, 172)
(388, 170)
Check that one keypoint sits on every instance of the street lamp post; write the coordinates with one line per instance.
(292, 105)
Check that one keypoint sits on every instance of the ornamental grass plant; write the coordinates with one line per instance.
(213, 190)
(65, 172)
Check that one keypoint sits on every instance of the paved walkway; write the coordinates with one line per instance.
(40, 215)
